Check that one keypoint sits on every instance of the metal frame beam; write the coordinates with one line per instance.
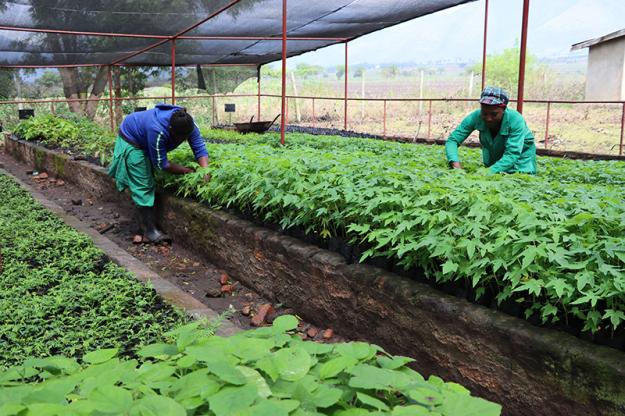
(523, 52)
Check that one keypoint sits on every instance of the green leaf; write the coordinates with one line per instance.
(160, 351)
(366, 376)
(326, 396)
(456, 405)
(426, 396)
(157, 405)
(111, 399)
(356, 350)
(227, 372)
(411, 411)
(50, 391)
(334, 366)
(292, 364)
(371, 401)
(393, 363)
(285, 323)
(254, 377)
(100, 356)
(449, 267)
(230, 400)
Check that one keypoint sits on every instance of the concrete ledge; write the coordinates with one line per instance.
(530, 370)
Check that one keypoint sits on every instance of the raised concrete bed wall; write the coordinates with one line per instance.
(530, 370)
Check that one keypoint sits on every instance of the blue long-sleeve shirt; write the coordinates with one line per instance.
(149, 130)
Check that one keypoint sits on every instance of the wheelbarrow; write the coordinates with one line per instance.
(255, 126)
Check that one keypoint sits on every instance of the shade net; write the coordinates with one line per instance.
(344, 19)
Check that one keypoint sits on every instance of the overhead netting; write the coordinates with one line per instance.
(159, 19)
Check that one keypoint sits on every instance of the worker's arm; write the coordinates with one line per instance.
(178, 169)
(458, 136)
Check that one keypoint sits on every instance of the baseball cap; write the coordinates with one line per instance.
(494, 96)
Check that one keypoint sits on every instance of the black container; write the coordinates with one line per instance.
(25, 113)
(137, 109)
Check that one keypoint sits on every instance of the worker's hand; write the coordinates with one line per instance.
(455, 165)
(207, 177)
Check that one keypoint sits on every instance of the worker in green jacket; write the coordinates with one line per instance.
(507, 143)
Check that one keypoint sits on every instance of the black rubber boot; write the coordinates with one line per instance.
(151, 233)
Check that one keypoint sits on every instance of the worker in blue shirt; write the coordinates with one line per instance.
(142, 144)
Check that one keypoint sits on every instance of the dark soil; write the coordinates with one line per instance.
(196, 276)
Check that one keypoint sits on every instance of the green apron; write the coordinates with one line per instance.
(132, 169)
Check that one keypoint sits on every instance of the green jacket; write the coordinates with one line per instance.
(512, 150)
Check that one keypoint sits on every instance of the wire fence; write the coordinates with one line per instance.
(588, 126)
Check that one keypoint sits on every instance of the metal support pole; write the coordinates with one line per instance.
(430, 119)
(282, 121)
(173, 71)
(384, 131)
(314, 115)
(110, 75)
(345, 94)
(258, 104)
(484, 48)
(620, 148)
(526, 11)
(547, 124)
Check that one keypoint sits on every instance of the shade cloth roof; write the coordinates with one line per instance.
(337, 20)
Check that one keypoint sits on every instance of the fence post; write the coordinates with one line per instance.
(547, 124)
(313, 113)
(214, 110)
(384, 133)
(429, 119)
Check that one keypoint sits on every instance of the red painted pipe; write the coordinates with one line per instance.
(166, 37)
(258, 104)
(526, 11)
(282, 121)
(484, 48)
(345, 94)
(173, 71)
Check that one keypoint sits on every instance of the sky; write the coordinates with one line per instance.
(456, 34)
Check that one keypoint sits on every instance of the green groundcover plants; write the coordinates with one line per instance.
(60, 295)
(551, 243)
(80, 135)
(264, 372)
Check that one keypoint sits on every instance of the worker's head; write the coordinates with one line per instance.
(493, 102)
(181, 125)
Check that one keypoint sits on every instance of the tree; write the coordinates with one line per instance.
(48, 84)
(7, 86)
(391, 71)
(303, 70)
(359, 72)
(340, 71)
(502, 69)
